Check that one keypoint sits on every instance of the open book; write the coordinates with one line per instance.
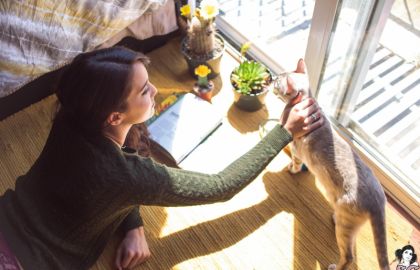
(185, 122)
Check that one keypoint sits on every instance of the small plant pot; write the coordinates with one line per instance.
(254, 101)
(205, 92)
(250, 103)
(211, 60)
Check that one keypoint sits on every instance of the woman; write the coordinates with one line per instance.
(85, 185)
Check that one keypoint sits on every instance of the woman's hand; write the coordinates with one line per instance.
(300, 117)
(133, 249)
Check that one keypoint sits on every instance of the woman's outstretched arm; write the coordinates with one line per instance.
(156, 184)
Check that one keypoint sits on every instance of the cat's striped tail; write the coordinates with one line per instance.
(379, 234)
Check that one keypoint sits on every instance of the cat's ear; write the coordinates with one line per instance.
(301, 67)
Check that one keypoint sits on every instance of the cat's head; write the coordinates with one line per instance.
(287, 86)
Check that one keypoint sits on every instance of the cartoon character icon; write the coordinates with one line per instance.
(407, 258)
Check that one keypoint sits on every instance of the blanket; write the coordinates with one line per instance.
(38, 36)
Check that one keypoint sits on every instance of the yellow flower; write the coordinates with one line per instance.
(185, 10)
(209, 12)
(245, 48)
(209, 9)
(202, 71)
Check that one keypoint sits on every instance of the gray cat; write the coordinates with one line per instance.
(353, 190)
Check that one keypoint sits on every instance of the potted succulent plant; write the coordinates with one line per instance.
(202, 45)
(251, 81)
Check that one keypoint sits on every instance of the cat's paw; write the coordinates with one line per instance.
(293, 169)
(332, 267)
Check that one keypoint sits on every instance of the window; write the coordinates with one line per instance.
(278, 29)
(364, 70)
(367, 84)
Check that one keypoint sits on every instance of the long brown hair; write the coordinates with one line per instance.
(96, 84)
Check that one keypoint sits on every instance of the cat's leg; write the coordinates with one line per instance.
(347, 225)
(296, 165)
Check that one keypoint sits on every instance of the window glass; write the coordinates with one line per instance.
(278, 28)
(383, 109)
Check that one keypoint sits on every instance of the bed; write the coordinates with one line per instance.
(38, 38)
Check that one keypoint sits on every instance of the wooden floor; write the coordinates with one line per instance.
(279, 221)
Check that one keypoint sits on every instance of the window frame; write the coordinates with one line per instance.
(324, 19)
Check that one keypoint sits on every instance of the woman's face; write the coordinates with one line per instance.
(140, 102)
(407, 255)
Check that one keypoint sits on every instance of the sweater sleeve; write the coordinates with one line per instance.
(132, 221)
(157, 184)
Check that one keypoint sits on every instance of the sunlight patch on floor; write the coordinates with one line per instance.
(397, 233)
(253, 194)
(269, 247)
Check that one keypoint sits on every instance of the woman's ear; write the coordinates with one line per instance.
(114, 119)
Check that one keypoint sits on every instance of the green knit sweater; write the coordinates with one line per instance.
(82, 189)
